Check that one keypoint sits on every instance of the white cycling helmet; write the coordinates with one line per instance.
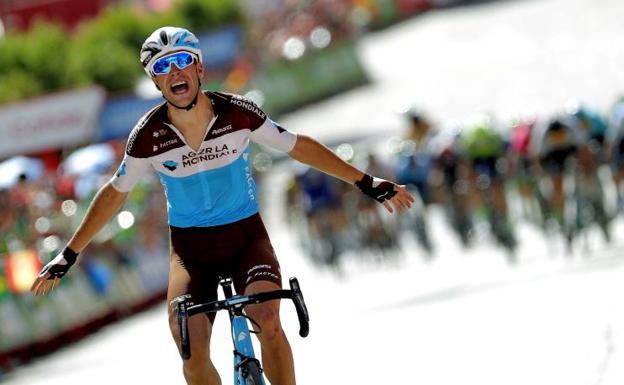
(166, 40)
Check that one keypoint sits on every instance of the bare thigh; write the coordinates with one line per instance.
(266, 314)
(200, 327)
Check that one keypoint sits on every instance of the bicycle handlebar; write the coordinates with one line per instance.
(237, 302)
(300, 307)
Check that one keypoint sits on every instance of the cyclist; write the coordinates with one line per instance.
(522, 166)
(198, 143)
(375, 232)
(414, 161)
(614, 143)
(555, 143)
(592, 128)
(485, 149)
(321, 202)
(592, 125)
(591, 156)
(413, 168)
(453, 184)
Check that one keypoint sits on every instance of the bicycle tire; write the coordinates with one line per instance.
(253, 373)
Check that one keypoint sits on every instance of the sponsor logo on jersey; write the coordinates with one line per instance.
(248, 105)
(155, 148)
(132, 138)
(159, 133)
(170, 165)
(260, 271)
(222, 129)
(206, 154)
(249, 179)
(122, 169)
(168, 143)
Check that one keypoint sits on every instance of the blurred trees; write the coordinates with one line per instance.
(104, 50)
(34, 62)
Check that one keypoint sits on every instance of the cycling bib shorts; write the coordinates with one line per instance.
(241, 250)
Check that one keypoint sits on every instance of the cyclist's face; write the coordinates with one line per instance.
(180, 86)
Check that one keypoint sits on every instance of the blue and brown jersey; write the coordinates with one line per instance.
(212, 185)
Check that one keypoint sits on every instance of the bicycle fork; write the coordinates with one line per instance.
(244, 355)
(243, 348)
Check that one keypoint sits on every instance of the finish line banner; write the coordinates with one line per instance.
(50, 122)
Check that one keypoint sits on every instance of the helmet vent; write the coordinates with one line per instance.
(163, 37)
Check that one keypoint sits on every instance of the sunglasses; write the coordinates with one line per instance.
(181, 59)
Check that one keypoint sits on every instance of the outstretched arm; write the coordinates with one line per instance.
(313, 153)
(105, 204)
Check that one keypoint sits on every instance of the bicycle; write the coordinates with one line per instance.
(247, 369)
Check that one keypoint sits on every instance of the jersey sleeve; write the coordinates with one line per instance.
(275, 136)
(615, 125)
(129, 173)
(263, 129)
(538, 136)
(134, 164)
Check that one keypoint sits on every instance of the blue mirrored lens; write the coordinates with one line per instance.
(182, 60)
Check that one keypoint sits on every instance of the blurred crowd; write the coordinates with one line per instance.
(289, 30)
(38, 204)
(123, 270)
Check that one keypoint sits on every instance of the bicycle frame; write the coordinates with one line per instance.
(245, 363)
(241, 338)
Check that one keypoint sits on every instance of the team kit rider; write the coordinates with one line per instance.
(198, 143)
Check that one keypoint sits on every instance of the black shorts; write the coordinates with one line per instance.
(554, 162)
(241, 250)
(486, 166)
(618, 155)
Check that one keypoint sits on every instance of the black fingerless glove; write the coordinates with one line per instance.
(378, 189)
(59, 266)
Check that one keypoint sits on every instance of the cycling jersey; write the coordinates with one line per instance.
(212, 185)
(521, 137)
(615, 130)
(414, 164)
(544, 141)
(592, 125)
(615, 134)
(482, 142)
(318, 191)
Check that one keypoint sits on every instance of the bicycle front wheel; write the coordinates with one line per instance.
(253, 373)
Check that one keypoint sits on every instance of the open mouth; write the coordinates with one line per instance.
(179, 88)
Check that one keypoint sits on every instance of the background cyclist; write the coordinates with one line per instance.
(555, 145)
(614, 147)
(485, 149)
